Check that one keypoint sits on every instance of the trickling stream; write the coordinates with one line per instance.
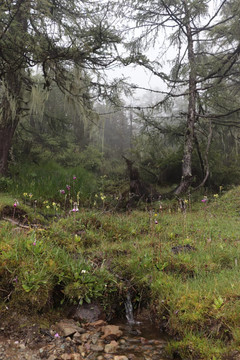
(141, 339)
(129, 309)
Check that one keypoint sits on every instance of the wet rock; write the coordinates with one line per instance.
(77, 337)
(108, 357)
(85, 337)
(87, 347)
(66, 357)
(67, 328)
(98, 323)
(88, 313)
(135, 332)
(111, 348)
(122, 341)
(97, 348)
(76, 356)
(111, 332)
(52, 357)
(132, 357)
(73, 356)
(143, 340)
(95, 338)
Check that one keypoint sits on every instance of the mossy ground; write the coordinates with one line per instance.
(184, 266)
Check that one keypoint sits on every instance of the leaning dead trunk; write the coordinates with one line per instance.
(137, 189)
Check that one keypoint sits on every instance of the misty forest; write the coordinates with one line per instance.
(120, 179)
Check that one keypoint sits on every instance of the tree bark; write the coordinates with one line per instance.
(15, 92)
(206, 167)
(14, 106)
(6, 135)
(187, 177)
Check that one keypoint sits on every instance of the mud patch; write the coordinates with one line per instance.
(16, 214)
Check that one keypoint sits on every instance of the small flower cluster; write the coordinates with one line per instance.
(54, 205)
(30, 195)
(102, 196)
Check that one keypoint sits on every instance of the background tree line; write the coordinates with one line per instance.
(57, 102)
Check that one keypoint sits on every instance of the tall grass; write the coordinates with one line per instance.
(46, 180)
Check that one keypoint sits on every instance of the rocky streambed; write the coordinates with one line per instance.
(69, 340)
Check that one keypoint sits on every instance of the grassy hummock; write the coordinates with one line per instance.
(184, 266)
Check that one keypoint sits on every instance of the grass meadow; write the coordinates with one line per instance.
(183, 265)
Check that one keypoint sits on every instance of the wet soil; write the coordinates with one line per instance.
(22, 339)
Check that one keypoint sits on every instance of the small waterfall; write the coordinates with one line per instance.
(129, 309)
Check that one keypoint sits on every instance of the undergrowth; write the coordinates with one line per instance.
(183, 265)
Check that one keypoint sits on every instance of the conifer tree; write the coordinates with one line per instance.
(63, 39)
(205, 58)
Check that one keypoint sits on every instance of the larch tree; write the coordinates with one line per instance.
(204, 59)
(63, 40)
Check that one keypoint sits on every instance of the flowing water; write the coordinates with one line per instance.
(140, 338)
(142, 341)
(129, 309)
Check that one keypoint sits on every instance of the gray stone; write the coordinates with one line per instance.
(111, 332)
(52, 357)
(85, 337)
(76, 356)
(67, 327)
(111, 348)
(95, 338)
(97, 348)
(88, 313)
(66, 357)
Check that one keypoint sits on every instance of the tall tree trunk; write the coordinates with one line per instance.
(191, 115)
(15, 90)
(6, 135)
